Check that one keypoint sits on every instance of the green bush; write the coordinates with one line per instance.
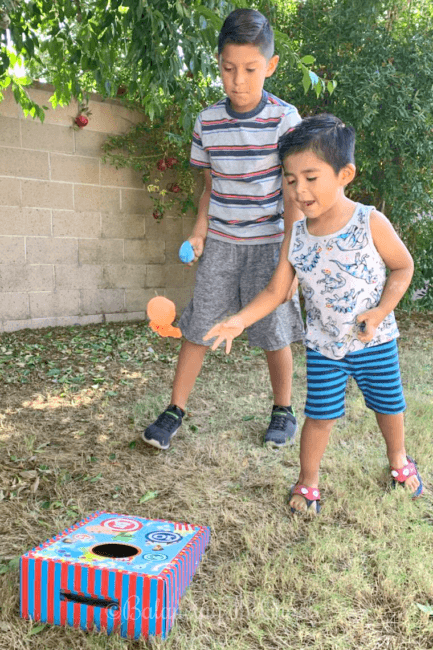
(381, 55)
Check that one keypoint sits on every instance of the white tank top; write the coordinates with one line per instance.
(341, 276)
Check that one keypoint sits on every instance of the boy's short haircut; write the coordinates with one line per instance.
(247, 27)
(326, 136)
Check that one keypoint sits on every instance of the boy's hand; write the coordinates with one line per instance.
(225, 331)
(368, 322)
(197, 243)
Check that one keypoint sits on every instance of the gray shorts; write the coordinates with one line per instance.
(228, 277)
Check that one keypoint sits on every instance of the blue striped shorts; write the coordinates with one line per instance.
(376, 370)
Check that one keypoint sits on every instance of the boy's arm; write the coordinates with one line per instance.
(262, 305)
(199, 232)
(291, 214)
(400, 263)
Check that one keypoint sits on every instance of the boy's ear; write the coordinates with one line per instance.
(347, 174)
(272, 65)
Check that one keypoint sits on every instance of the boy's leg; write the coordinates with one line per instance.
(283, 424)
(188, 368)
(314, 439)
(159, 433)
(273, 334)
(215, 295)
(392, 428)
(280, 364)
(377, 372)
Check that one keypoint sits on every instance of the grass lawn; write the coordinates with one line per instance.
(360, 576)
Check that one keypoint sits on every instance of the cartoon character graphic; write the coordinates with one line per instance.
(297, 245)
(338, 346)
(331, 283)
(373, 300)
(358, 269)
(344, 304)
(309, 261)
(353, 239)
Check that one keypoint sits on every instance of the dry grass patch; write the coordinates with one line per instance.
(74, 401)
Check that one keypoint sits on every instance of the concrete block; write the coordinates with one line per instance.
(75, 169)
(12, 250)
(121, 276)
(89, 143)
(165, 275)
(174, 229)
(25, 221)
(112, 117)
(61, 115)
(189, 275)
(24, 163)
(9, 191)
(136, 201)
(174, 274)
(47, 137)
(43, 194)
(188, 224)
(9, 131)
(137, 299)
(90, 198)
(26, 277)
(122, 226)
(67, 223)
(14, 306)
(96, 251)
(45, 304)
(180, 296)
(154, 229)
(126, 317)
(102, 301)
(172, 251)
(49, 250)
(8, 105)
(124, 177)
(70, 276)
(148, 251)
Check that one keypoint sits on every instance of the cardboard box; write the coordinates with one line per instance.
(112, 572)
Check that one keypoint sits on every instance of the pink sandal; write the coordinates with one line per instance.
(401, 474)
(311, 496)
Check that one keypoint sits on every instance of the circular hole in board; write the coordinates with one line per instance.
(115, 550)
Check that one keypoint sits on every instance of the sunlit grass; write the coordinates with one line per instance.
(358, 576)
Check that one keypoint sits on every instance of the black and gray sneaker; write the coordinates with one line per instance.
(282, 427)
(159, 433)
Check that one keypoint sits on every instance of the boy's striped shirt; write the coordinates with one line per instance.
(241, 150)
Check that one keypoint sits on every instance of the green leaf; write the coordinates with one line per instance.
(427, 609)
(37, 629)
(148, 496)
(308, 59)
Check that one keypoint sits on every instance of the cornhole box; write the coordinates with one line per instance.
(112, 572)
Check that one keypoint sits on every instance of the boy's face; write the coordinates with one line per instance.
(313, 184)
(243, 71)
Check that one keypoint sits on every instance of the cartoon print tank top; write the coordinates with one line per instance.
(341, 275)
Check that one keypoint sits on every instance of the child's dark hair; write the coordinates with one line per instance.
(326, 136)
(247, 27)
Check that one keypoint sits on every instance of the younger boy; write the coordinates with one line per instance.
(238, 233)
(340, 252)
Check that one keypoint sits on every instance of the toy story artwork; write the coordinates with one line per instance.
(112, 572)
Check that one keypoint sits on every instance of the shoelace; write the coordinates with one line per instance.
(278, 420)
(167, 419)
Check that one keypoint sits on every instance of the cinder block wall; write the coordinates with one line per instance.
(78, 243)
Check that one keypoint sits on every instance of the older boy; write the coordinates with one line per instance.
(240, 222)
